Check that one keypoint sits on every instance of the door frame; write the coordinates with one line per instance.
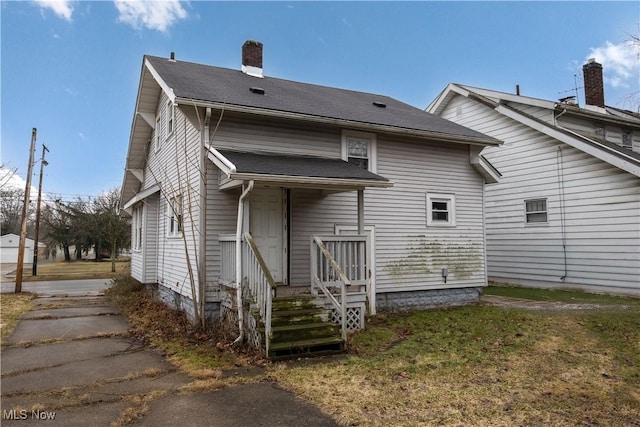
(284, 229)
(370, 232)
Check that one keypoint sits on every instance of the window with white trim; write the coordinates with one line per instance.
(157, 132)
(359, 148)
(137, 228)
(170, 117)
(535, 211)
(441, 210)
(627, 138)
(174, 216)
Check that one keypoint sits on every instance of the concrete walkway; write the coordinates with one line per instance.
(71, 362)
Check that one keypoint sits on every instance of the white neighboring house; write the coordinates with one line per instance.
(280, 186)
(566, 212)
(9, 245)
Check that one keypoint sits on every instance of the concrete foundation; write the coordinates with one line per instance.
(418, 300)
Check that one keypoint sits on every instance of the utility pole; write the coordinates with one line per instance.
(43, 163)
(25, 214)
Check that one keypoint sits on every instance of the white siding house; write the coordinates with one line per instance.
(235, 181)
(566, 212)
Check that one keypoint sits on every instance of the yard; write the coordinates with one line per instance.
(483, 366)
(61, 270)
(576, 364)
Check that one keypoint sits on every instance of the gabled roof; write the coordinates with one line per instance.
(508, 105)
(235, 90)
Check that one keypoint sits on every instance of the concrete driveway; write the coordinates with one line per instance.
(71, 362)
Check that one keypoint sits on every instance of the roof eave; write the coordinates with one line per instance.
(436, 136)
(311, 181)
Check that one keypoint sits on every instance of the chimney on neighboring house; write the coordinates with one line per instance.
(252, 58)
(593, 83)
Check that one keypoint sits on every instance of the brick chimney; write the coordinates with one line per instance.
(252, 58)
(593, 83)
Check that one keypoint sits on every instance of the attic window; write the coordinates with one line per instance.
(257, 90)
(379, 104)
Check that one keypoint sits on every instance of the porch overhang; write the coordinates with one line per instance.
(140, 196)
(292, 171)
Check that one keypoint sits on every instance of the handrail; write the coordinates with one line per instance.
(336, 267)
(263, 264)
(344, 282)
(261, 284)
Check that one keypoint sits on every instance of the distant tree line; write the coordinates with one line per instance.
(82, 224)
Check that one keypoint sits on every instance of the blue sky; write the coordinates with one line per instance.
(71, 68)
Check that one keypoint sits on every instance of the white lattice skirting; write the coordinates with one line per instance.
(229, 315)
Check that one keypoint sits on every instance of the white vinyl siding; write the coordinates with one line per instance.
(173, 169)
(592, 207)
(409, 255)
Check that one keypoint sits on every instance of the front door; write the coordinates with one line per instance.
(266, 223)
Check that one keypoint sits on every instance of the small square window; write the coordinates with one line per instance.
(441, 210)
(535, 211)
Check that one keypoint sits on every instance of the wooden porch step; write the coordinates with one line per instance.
(301, 332)
(309, 347)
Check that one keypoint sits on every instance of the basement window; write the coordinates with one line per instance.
(441, 210)
(535, 211)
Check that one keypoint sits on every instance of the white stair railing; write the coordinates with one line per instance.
(338, 262)
(260, 283)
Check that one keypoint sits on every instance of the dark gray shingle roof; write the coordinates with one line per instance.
(319, 167)
(222, 85)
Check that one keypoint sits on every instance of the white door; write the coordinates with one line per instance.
(266, 221)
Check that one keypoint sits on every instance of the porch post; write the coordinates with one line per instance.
(361, 211)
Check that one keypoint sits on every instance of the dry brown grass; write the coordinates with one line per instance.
(551, 369)
(11, 308)
(82, 269)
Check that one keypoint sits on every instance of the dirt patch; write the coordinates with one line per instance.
(500, 301)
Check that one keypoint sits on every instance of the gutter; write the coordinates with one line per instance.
(243, 196)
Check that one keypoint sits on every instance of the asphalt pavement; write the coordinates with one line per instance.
(72, 362)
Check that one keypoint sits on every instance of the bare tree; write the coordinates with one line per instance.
(6, 173)
(109, 226)
(11, 201)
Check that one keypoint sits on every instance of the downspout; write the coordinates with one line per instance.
(243, 196)
(203, 217)
(560, 172)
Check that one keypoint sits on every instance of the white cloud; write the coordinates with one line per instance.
(62, 8)
(154, 15)
(621, 62)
